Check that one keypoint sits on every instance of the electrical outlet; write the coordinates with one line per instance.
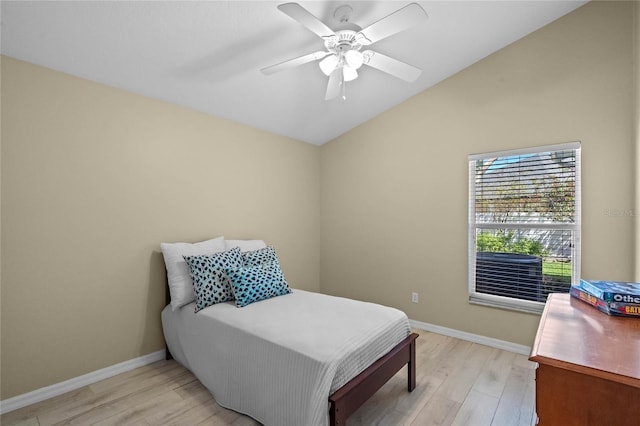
(414, 297)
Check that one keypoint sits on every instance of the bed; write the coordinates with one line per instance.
(301, 358)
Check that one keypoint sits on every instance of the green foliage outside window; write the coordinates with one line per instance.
(506, 242)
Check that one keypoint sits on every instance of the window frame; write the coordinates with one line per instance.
(513, 303)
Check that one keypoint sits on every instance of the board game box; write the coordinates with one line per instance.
(610, 308)
(599, 304)
(612, 291)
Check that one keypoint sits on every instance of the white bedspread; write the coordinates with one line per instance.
(279, 360)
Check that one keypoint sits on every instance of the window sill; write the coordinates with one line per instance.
(506, 303)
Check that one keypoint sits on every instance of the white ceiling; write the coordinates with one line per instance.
(207, 55)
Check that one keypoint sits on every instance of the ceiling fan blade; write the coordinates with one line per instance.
(294, 62)
(398, 21)
(335, 84)
(391, 66)
(303, 16)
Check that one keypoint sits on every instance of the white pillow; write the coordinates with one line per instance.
(180, 283)
(245, 245)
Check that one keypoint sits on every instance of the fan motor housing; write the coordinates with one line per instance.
(343, 41)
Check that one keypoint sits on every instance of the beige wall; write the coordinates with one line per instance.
(93, 179)
(394, 190)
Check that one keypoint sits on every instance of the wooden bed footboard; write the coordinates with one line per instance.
(353, 394)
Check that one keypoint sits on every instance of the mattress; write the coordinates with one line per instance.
(278, 360)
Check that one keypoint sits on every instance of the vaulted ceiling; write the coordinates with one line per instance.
(207, 55)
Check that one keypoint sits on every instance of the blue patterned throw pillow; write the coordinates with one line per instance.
(254, 283)
(211, 284)
(258, 257)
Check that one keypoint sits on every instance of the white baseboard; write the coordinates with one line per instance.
(475, 338)
(93, 377)
(77, 382)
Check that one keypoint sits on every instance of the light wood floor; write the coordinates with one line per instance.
(458, 383)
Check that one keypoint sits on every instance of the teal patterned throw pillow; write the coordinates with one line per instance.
(254, 283)
(211, 284)
(258, 257)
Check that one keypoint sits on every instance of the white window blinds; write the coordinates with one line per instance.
(524, 225)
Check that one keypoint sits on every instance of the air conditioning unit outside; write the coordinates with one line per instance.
(509, 274)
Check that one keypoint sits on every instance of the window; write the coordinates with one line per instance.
(524, 225)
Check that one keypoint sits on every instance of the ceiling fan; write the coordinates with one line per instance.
(344, 55)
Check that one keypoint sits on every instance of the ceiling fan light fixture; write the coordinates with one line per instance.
(354, 58)
(349, 73)
(328, 64)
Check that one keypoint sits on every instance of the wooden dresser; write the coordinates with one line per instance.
(588, 366)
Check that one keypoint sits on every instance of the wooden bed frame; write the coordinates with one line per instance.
(354, 393)
(346, 400)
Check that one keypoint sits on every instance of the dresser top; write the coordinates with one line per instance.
(575, 336)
